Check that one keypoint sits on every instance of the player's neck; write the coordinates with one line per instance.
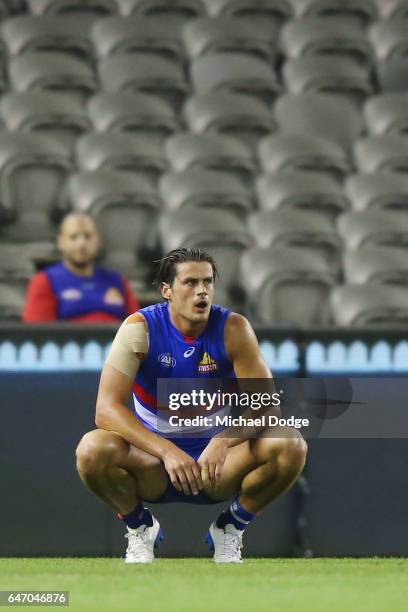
(87, 270)
(186, 327)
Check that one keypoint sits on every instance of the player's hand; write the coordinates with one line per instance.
(211, 462)
(183, 471)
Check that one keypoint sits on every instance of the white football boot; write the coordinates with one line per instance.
(142, 541)
(226, 543)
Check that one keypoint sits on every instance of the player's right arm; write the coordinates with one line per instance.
(112, 413)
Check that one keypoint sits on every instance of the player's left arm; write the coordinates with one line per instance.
(243, 350)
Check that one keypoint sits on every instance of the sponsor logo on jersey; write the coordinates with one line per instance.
(189, 352)
(71, 294)
(207, 364)
(167, 360)
(113, 296)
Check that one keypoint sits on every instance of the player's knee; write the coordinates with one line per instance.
(96, 450)
(293, 453)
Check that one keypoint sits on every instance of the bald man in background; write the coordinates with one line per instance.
(76, 290)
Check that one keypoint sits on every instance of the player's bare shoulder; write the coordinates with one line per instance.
(238, 334)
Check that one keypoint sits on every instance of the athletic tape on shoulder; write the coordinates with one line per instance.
(131, 339)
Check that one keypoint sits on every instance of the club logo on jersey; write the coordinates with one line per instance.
(189, 352)
(207, 364)
(71, 294)
(113, 296)
(167, 360)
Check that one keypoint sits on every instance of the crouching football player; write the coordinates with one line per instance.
(127, 461)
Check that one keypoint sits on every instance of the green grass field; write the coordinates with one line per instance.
(196, 585)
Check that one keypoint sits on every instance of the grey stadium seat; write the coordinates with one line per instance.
(147, 73)
(377, 191)
(301, 191)
(392, 75)
(33, 169)
(220, 231)
(302, 152)
(325, 115)
(370, 306)
(205, 188)
(49, 113)
(389, 38)
(15, 264)
(132, 112)
(392, 8)
(312, 36)
(364, 10)
(125, 207)
(387, 114)
(309, 230)
(234, 72)
(115, 35)
(68, 7)
(110, 151)
(339, 75)
(373, 228)
(256, 11)
(11, 301)
(210, 151)
(238, 115)
(387, 153)
(51, 71)
(183, 8)
(286, 286)
(26, 33)
(209, 35)
(6, 8)
(385, 265)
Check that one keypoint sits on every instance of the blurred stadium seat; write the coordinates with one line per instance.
(387, 114)
(324, 115)
(47, 113)
(26, 33)
(301, 152)
(232, 34)
(238, 115)
(370, 305)
(286, 285)
(373, 228)
(136, 113)
(392, 8)
(377, 191)
(310, 231)
(68, 7)
(340, 75)
(213, 190)
(307, 191)
(39, 71)
(154, 75)
(363, 10)
(234, 72)
(121, 151)
(33, 170)
(210, 151)
(252, 10)
(385, 265)
(137, 34)
(387, 153)
(324, 36)
(389, 38)
(183, 8)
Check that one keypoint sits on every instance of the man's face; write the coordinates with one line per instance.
(192, 291)
(79, 241)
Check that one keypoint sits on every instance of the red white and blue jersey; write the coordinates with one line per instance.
(81, 295)
(172, 355)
